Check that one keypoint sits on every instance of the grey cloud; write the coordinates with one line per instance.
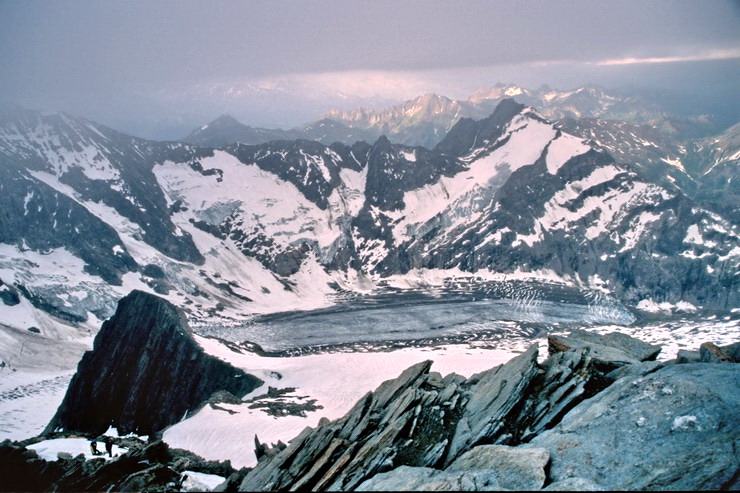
(83, 54)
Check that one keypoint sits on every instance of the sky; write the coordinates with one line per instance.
(160, 68)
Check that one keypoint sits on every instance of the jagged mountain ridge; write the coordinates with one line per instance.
(426, 119)
(246, 229)
(675, 152)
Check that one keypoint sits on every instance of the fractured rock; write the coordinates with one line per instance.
(494, 395)
(644, 425)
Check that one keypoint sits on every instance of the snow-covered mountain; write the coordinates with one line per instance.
(426, 119)
(89, 214)
(669, 150)
(705, 169)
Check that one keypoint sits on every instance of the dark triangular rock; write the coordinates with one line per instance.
(145, 372)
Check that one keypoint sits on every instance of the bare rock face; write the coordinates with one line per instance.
(674, 429)
(484, 468)
(145, 372)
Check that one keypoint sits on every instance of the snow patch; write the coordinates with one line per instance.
(199, 481)
(336, 380)
(49, 449)
(562, 149)
(682, 423)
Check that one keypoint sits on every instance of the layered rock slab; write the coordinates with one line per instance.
(145, 372)
(484, 468)
(420, 420)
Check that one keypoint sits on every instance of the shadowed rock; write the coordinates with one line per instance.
(145, 372)
(711, 353)
(154, 467)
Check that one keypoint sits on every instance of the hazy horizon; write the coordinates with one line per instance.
(161, 69)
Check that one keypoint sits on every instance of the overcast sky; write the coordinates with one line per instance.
(169, 63)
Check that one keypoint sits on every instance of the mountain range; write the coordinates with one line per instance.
(88, 214)
(426, 119)
(694, 155)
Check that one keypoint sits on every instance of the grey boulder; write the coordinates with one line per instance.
(676, 428)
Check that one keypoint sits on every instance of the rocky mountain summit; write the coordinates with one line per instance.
(599, 413)
(145, 372)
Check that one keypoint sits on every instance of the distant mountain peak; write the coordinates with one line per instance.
(497, 92)
(225, 119)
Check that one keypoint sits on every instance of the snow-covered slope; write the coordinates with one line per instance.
(704, 169)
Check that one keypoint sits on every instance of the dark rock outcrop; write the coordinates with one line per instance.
(8, 294)
(154, 467)
(145, 372)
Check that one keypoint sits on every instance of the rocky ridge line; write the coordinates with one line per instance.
(524, 425)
